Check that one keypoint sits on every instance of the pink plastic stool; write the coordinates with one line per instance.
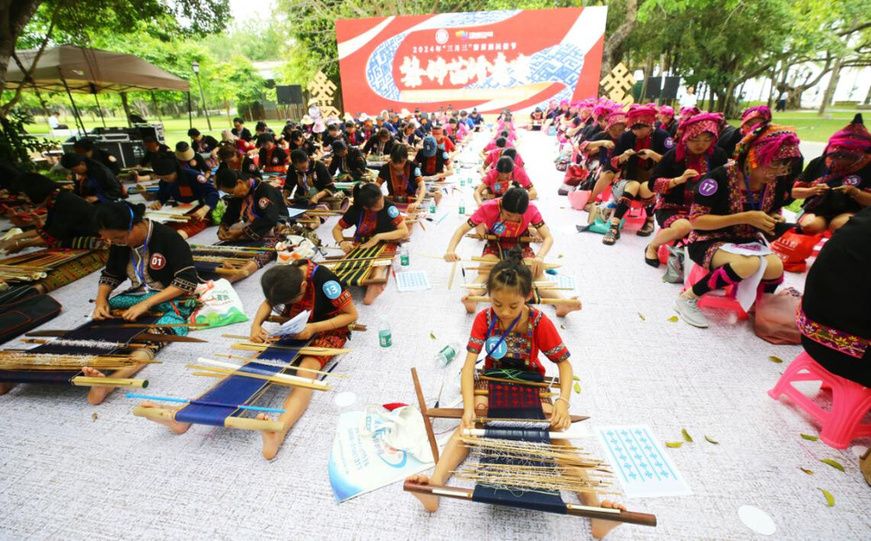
(850, 401)
(636, 215)
(726, 301)
(578, 199)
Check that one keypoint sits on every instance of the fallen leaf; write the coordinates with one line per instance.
(576, 378)
(809, 437)
(686, 435)
(431, 335)
(775, 359)
(673, 319)
(577, 388)
(830, 500)
(673, 444)
(807, 471)
(563, 327)
(833, 463)
(94, 416)
(642, 316)
(715, 442)
(560, 256)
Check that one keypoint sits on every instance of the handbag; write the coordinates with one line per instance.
(793, 249)
(26, 313)
(775, 317)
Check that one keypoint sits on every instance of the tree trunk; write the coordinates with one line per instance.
(613, 50)
(126, 107)
(646, 73)
(833, 85)
(773, 88)
(868, 97)
(14, 16)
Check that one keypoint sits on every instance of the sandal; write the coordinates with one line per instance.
(611, 236)
(652, 261)
(646, 230)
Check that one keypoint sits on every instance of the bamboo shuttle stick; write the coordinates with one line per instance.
(250, 346)
(453, 272)
(84, 381)
(220, 373)
(193, 326)
(281, 364)
(234, 369)
(204, 403)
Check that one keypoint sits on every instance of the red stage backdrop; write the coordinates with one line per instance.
(485, 59)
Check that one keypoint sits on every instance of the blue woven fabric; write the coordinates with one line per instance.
(239, 390)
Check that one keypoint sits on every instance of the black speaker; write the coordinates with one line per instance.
(669, 88)
(288, 94)
(654, 88)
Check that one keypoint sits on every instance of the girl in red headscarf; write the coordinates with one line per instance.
(750, 118)
(675, 176)
(665, 120)
(836, 185)
(635, 155)
(597, 150)
(732, 208)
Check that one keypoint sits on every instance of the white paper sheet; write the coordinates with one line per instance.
(564, 281)
(640, 462)
(294, 326)
(412, 281)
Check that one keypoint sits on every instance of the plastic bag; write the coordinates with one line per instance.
(575, 174)
(402, 429)
(220, 305)
(775, 317)
(674, 271)
(793, 249)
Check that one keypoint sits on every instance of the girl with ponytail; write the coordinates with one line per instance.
(507, 222)
(374, 221)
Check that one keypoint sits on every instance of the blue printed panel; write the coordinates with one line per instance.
(640, 462)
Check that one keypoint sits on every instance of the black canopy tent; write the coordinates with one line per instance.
(69, 68)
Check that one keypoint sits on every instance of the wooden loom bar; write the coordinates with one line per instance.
(603, 513)
(427, 423)
(84, 381)
(242, 423)
(457, 413)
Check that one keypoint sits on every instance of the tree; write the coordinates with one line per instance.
(40, 23)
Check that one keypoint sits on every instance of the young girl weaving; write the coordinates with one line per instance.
(511, 333)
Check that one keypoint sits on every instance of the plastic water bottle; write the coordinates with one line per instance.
(432, 207)
(447, 354)
(385, 337)
(403, 256)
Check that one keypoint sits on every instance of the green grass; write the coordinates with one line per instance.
(176, 128)
(809, 126)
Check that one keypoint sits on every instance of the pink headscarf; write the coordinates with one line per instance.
(767, 143)
(615, 117)
(642, 114)
(666, 110)
(705, 122)
(854, 138)
(760, 111)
